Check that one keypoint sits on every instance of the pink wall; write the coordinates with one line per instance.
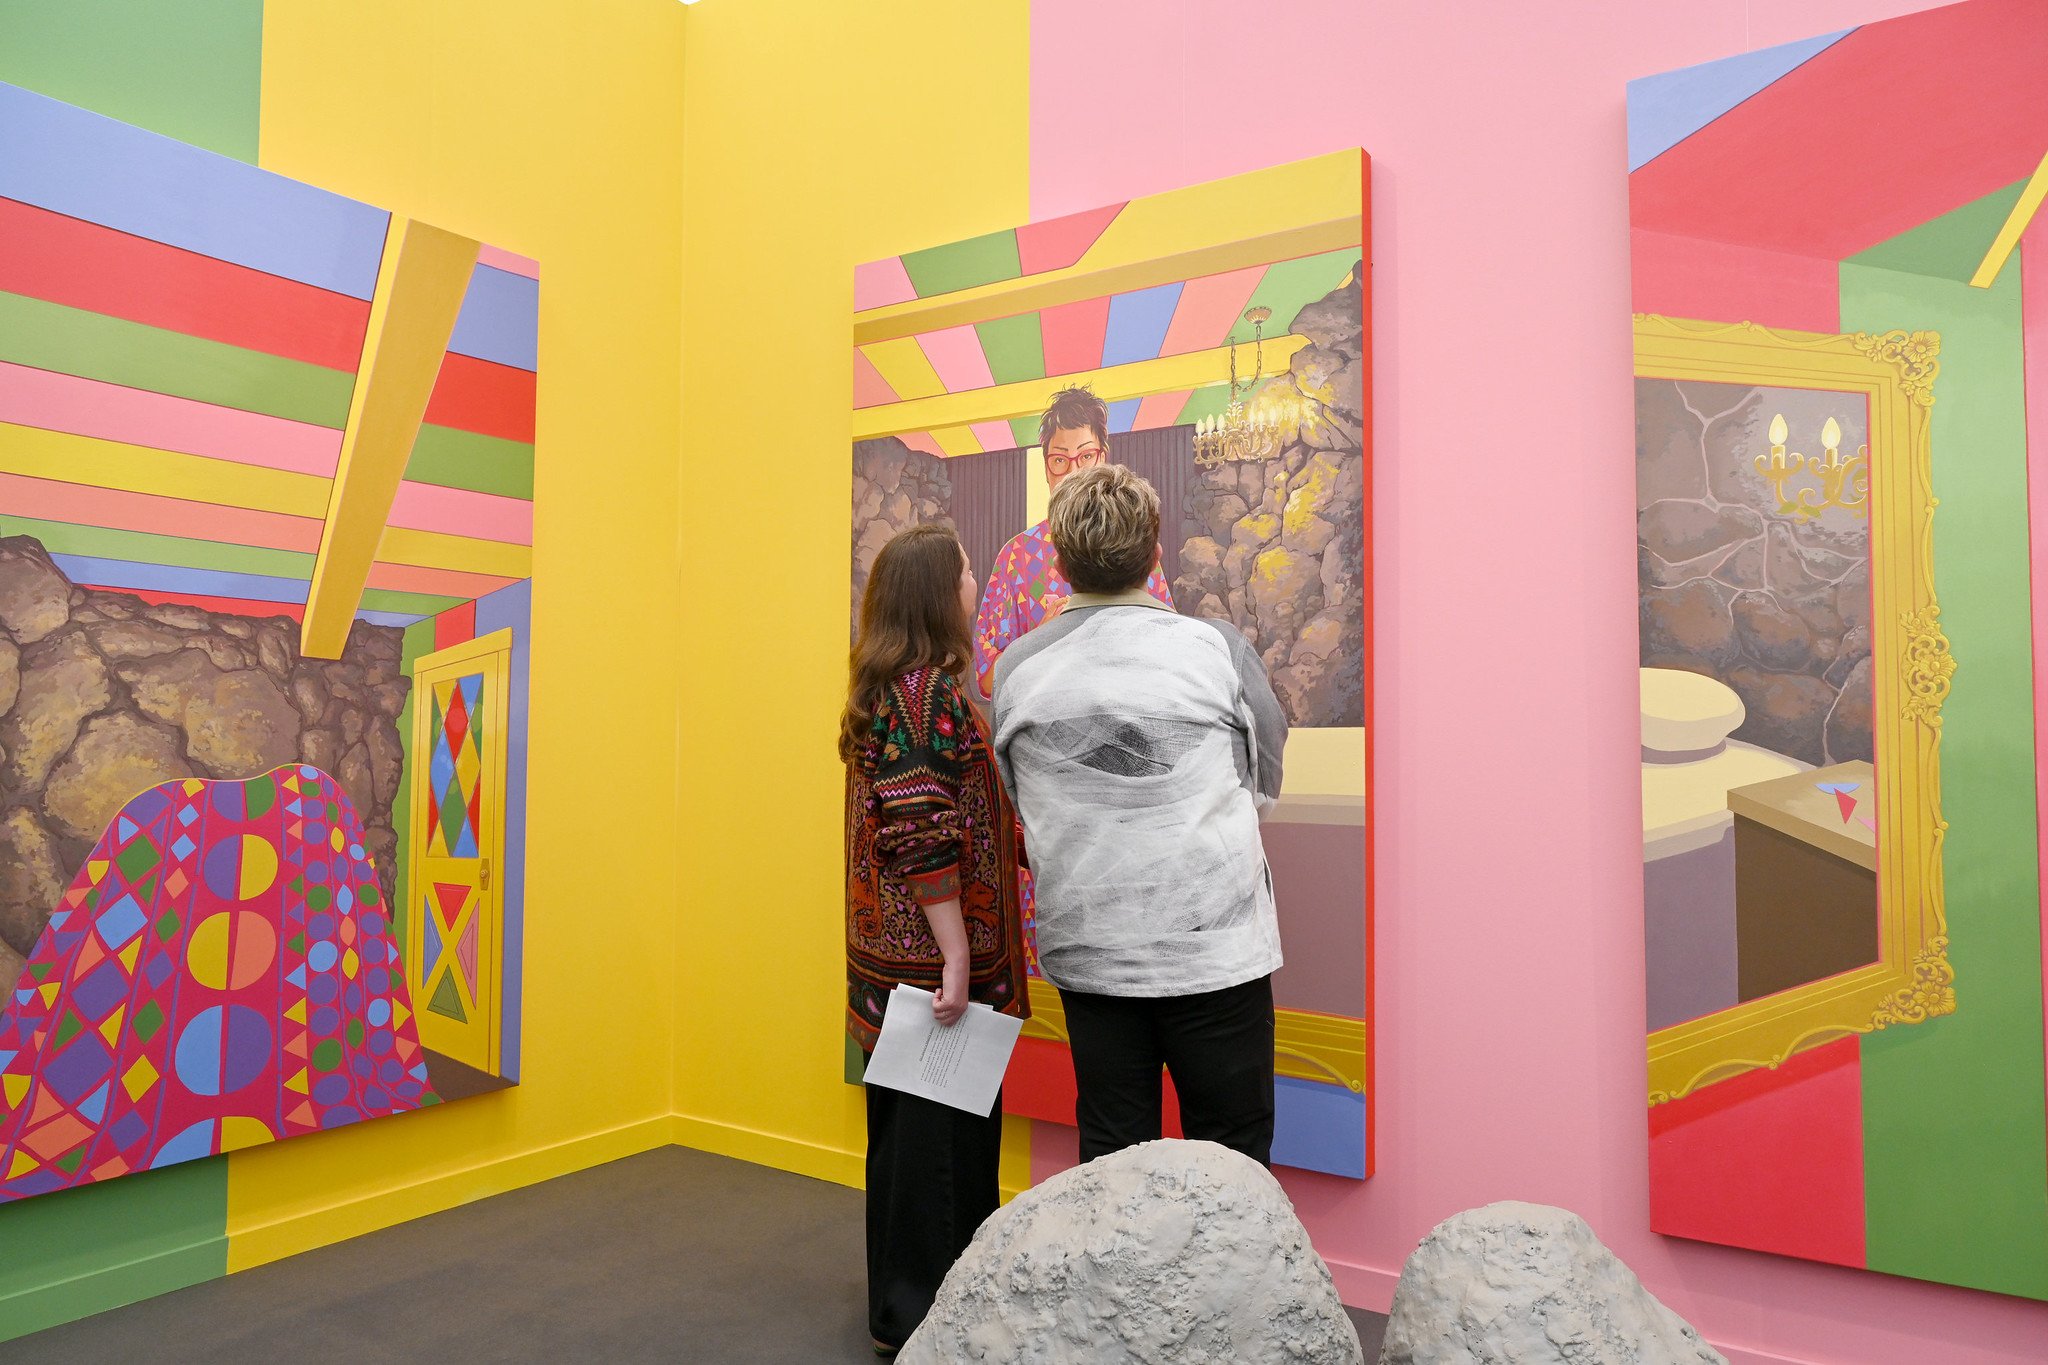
(1510, 931)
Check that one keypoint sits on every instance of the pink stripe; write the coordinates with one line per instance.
(1161, 410)
(1072, 334)
(1208, 309)
(994, 435)
(870, 390)
(957, 358)
(1689, 277)
(2033, 267)
(118, 509)
(440, 582)
(1060, 242)
(881, 283)
(85, 407)
(507, 260)
(921, 440)
(460, 512)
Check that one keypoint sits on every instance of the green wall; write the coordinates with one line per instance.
(1955, 1124)
(190, 69)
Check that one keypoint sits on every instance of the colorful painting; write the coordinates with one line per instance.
(1841, 374)
(266, 524)
(1226, 328)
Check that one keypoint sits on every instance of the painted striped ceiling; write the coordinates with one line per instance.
(179, 339)
(1079, 332)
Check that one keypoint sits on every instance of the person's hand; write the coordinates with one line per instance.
(949, 1006)
(1053, 607)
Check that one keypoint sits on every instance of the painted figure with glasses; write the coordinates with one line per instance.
(1026, 588)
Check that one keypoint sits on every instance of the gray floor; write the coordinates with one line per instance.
(671, 1256)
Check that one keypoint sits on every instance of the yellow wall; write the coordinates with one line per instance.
(812, 142)
(542, 128)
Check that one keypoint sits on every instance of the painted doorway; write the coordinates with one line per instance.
(455, 931)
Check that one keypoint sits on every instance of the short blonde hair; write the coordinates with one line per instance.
(1105, 525)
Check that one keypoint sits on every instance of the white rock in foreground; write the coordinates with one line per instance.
(1165, 1252)
(1531, 1285)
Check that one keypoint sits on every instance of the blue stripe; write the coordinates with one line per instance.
(250, 587)
(1318, 1127)
(500, 319)
(1123, 413)
(1664, 110)
(67, 160)
(1138, 323)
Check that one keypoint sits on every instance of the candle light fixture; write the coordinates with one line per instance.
(1844, 483)
(1244, 430)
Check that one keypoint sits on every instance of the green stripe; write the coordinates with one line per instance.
(963, 265)
(85, 1250)
(1954, 1134)
(49, 336)
(191, 71)
(1014, 347)
(1025, 431)
(1289, 286)
(1950, 247)
(463, 459)
(407, 603)
(418, 640)
(142, 547)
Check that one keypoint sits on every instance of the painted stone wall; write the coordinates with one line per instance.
(1776, 606)
(1277, 547)
(894, 488)
(103, 695)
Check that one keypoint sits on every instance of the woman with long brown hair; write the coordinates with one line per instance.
(931, 902)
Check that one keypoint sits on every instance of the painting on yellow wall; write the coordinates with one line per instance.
(266, 524)
(1226, 329)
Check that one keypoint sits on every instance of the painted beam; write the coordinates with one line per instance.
(1029, 397)
(420, 285)
(2015, 224)
(1035, 293)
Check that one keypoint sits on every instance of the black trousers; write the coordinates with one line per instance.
(932, 1179)
(1218, 1046)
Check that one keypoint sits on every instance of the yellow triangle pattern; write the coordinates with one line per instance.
(16, 1087)
(298, 1082)
(297, 1013)
(23, 1164)
(129, 954)
(111, 1030)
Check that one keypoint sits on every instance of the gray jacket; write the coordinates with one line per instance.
(1140, 747)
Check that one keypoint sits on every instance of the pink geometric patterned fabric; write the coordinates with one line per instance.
(222, 972)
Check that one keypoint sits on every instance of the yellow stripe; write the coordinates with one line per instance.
(438, 550)
(1306, 1046)
(139, 469)
(958, 440)
(1030, 396)
(903, 364)
(2015, 224)
(420, 283)
(1300, 209)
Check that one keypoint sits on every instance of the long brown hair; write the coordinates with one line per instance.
(910, 618)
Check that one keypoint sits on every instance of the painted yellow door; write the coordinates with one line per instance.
(454, 926)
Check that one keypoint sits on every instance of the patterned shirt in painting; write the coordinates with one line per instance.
(1141, 747)
(925, 820)
(1023, 588)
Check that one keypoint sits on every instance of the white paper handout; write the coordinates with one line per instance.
(961, 1066)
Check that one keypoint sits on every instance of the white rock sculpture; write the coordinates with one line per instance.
(1526, 1284)
(1183, 1252)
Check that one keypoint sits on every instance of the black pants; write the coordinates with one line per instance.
(932, 1179)
(1218, 1046)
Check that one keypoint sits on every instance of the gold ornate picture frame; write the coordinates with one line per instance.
(1912, 980)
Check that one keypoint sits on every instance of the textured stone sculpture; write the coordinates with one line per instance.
(1532, 1285)
(1170, 1251)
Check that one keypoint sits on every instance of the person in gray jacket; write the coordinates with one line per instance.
(1140, 748)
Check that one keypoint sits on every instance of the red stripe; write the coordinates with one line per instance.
(479, 396)
(1073, 335)
(233, 606)
(455, 626)
(62, 260)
